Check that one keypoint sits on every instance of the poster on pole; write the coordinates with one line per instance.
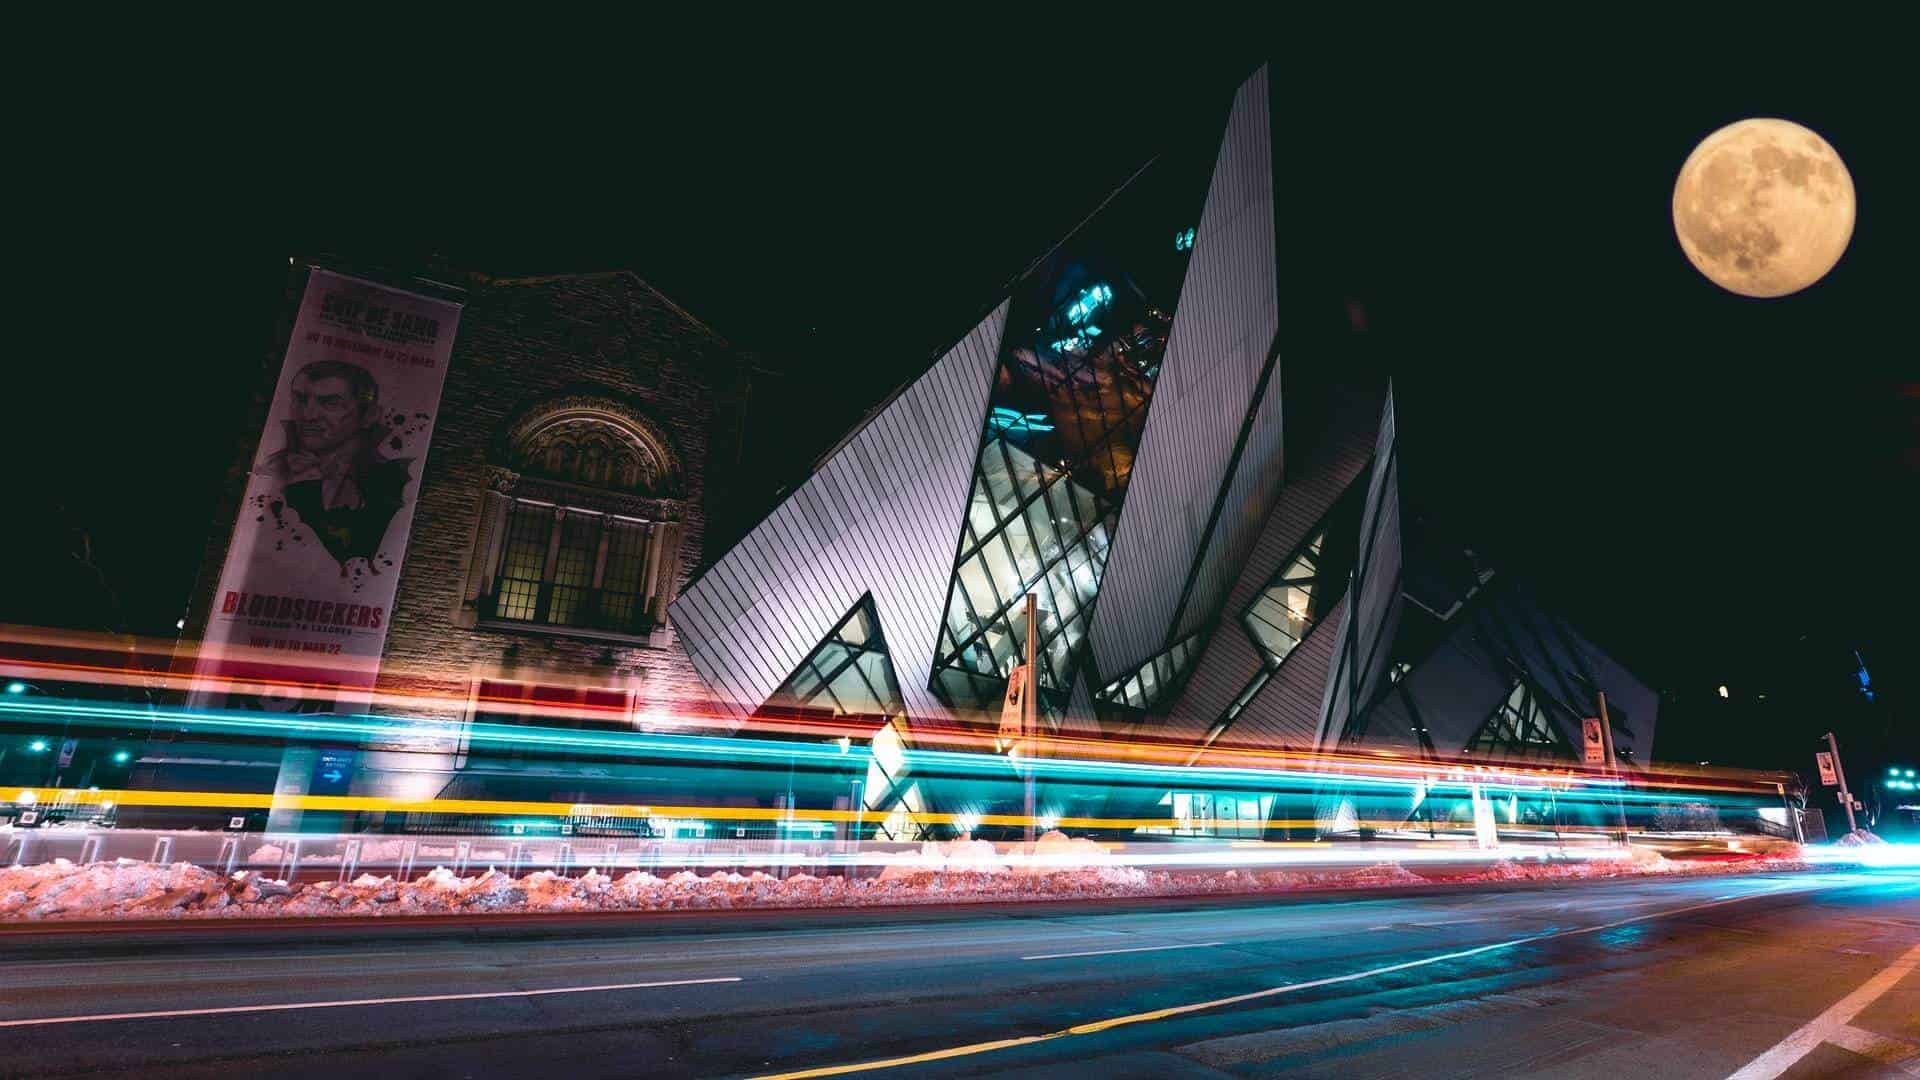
(300, 613)
(1013, 716)
(1593, 745)
(1827, 774)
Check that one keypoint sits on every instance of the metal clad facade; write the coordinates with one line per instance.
(1223, 330)
(1231, 659)
(1371, 616)
(878, 516)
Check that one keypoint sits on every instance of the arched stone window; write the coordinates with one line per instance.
(594, 443)
(580, 529)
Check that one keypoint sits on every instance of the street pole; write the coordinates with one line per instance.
(1840, 771)
(1029, 711)
(1613, 765)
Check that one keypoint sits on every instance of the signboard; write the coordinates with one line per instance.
(1827, 775)
(66, 752)
(1593, 747)
(1013, 710)
(315, 558)
(332, 773)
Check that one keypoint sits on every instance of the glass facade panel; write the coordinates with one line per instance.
(847, 673)
(1156, 682)
(980, 510)
(1309, 582)
(1086, 331)
(1520, 727)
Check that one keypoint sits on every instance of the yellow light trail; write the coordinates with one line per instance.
(226, 800)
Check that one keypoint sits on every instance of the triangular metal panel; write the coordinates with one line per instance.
(1223, 330)
(878, 516)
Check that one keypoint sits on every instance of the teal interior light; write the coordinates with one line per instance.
(1008, 420)
(1090, 300)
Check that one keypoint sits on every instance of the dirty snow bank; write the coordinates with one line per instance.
(962, 871)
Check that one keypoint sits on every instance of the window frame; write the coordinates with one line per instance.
(586, 613)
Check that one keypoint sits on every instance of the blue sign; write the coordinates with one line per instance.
(332, 773)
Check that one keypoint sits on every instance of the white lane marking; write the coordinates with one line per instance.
(1900, 1054)
(1885, 1049)
(1827, 1024)
(1200, 1006)
(1105, 952)
(39, 1020)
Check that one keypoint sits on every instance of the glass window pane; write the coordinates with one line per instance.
(1024, 555)
(830, 657)
(851, 691)
(1066, 601)
(855, 631)
(1040, 528)
(993, 469)
(973, 575)
(573, 568)
(980, 509)
(1000, 568)
(960, 621)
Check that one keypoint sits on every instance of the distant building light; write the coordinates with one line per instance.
(16, 688)
(37, 745)
(122, 756)
(179, 624)
(1723, 690)
(1183, 240)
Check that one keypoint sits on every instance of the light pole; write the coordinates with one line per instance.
(1840, 772)
(1029, 709)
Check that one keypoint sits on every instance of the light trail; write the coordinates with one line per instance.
(640, 812)
(171, 666)
(1495, 780)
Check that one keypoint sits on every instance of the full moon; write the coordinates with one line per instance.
(1763, 207)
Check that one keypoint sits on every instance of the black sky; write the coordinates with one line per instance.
(1717, 489)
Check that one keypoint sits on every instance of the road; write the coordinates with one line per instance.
(1806, 973)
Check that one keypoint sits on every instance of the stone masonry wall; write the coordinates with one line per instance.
(521, 342)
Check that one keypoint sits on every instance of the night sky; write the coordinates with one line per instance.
(1716, 489)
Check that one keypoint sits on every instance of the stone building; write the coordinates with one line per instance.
(586, 427)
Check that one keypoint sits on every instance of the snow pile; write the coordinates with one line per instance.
(962, 871)
(1859, 838)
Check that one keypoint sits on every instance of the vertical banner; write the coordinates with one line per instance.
(1593, 742)
(307, 590)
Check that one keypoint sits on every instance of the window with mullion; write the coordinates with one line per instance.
(523, 565)
(562, 567)
(574, 562)
(621, 581)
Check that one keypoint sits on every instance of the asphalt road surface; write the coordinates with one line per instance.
(1802, 975)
